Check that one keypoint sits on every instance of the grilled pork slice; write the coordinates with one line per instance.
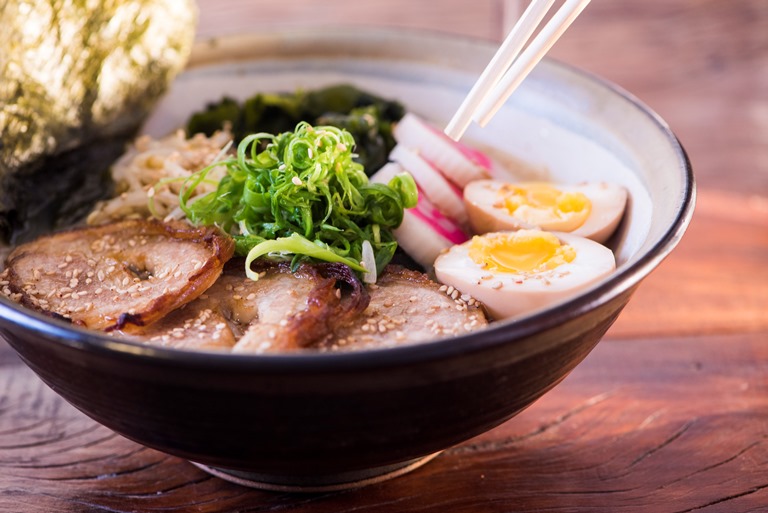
(407, 307)
(282, 311)
(116, 276)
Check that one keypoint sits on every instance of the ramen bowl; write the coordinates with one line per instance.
(324, 421)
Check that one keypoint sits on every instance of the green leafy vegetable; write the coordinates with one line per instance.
(302, 197)
(367, 117)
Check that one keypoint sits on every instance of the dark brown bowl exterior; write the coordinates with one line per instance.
(326, 419)
(315, 416)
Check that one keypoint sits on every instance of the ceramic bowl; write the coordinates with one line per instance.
(329, 421)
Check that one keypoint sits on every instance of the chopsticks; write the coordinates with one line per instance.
(509, 67)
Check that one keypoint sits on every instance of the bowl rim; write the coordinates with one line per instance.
(501, 332)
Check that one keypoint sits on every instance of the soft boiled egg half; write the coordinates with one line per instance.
(591, 210)
(515, 273)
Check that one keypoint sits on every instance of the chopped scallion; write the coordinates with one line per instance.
(300, 195)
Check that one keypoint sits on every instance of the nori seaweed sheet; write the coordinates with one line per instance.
(61, 189)
(77, 79)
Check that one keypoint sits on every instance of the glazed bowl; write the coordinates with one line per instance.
(327, 421)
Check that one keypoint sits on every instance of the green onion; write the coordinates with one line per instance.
(300, 195)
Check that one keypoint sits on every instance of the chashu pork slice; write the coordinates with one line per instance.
(116, 276)
(407, 307)
(283, 311)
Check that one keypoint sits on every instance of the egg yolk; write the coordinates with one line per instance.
(524, 251)
(543, 205)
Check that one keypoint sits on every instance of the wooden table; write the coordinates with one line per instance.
(668, 414)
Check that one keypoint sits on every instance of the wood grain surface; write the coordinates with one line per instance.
(668, 414)
(627, 431)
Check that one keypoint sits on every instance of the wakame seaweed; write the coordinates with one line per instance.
(367, 117)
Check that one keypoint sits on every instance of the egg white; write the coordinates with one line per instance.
(506, 295)
(486, 214)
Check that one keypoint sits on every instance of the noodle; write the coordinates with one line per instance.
(156, 169)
